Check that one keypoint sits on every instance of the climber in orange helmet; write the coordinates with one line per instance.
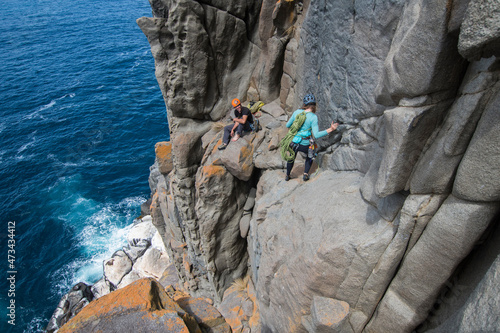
(242, 120)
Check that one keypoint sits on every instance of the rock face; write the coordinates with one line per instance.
(144, 306)
(403, 193)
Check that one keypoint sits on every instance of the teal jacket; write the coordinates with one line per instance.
(310, 125)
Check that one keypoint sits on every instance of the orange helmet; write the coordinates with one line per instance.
(235, 102)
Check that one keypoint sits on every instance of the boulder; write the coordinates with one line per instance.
(153, 263)
(206, 315)
(142, 230)
(328, 315)
(117, 267)
(238, 159)
(70, 305)
(274, 109)
(142, 305)
(101, 288)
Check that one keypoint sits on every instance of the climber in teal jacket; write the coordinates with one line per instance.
(301, 140)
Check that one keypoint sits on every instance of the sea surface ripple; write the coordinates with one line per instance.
(80, 114)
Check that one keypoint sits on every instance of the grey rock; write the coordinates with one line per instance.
(142, 231)
(219, 197)
(195, 47)
(245, 224)
(130, 277)
(361, 39)
(274, 109)
(470, 300)
(353, 241)
(433, 67)
(250, 200)
(416, 210)
(238, 159)
(329, 316)
(445, 242)
(349, 158)
(480, 30)
(389, 206)
(355, 245)
(69, 306)
(269, 160)
(152, 264)
(117, 267)
(134, 252)
(407, 131)
(436, 168)
(145, 207)
(476, 179)
(186, 141)
(154, 174)
(101, 288)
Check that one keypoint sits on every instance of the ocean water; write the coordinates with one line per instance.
(80, 112)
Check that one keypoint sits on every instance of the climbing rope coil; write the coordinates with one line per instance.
(287, 152)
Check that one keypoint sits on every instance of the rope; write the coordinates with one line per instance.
(287, 153)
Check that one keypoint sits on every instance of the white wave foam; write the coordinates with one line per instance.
(132, 202)
(29, 144)
(47, 106)
(36, 114)
(101, 235)
(36, 325)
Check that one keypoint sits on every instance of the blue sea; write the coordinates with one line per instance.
(80, 113)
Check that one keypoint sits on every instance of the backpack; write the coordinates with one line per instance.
(255, 106)
(255, 125)
(287, 152)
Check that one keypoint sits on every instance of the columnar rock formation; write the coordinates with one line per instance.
(404, 192)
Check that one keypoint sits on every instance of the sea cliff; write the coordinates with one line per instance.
(397, 228)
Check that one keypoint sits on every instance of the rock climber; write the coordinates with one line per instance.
(242, 120)
(309, 130)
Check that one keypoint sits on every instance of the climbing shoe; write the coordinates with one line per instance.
(222, 146)
(306, 177)
(287, 178)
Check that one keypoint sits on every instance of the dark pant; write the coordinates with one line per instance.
(239, 130)
(308, 163)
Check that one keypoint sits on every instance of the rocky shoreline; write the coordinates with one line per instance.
(144, 256)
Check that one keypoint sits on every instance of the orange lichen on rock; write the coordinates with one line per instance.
(163, 151)
(213, 170)
(246, 153)
(205, 314)
(239, 306)
(143, 303)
